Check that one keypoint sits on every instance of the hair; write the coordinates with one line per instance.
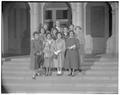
(43, 29)
(53, 30)
(59, 33)
(48, 34)
(65, 27)
(35, 33)
(78, 27)
(72, 25)
(72, 32)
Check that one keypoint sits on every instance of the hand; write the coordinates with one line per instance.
(37, 53)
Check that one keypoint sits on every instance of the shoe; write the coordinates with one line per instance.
(33, 77)
(59, 74)
(69, 74)
(79, 70)
(73, 75)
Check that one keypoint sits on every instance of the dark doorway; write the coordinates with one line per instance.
(16, 28)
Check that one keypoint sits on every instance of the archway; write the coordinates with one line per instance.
(98, 25)
(60, 11)
(16, 28)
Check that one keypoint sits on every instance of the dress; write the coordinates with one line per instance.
(48, 53)
(36, 60)
(72, 56)
(60, 45)
(81, 38)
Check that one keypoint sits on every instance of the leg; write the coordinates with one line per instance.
(70, 70)
(73, 70)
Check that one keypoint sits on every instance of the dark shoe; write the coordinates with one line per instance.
(73, 75)
(79, 70)
(59, 74)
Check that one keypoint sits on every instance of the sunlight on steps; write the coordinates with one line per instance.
(99, 75)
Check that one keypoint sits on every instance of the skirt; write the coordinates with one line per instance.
(48, 62)
(37, 61)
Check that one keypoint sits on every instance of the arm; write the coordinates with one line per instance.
(77, 43)
(33, 50)
(63, 47)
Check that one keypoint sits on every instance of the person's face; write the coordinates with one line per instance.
(54, 32)
(36, 36)
(42, 31)
(57, 23)
(59, 36)
(48, 36)
(77, 29)
(45, 27)
(65, 30)
(71, 34)
(71, 27)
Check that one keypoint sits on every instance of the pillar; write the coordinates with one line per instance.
(112, 43)
(77, 14)
(35, 17)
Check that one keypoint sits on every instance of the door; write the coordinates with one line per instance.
(97, 20)
(57, 11)
(16, 29)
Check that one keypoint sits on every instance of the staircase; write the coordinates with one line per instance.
(99, 75)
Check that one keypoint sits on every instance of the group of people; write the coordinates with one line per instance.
(59, 48)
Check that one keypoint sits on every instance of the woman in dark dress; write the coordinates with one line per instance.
(72, 58)
(36, 52)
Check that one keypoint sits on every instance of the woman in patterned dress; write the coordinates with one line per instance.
(48, 53)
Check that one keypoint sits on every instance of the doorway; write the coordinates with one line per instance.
(57, 11)
(16, 28)
(97, 25)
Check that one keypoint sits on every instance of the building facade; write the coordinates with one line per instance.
(99, 22)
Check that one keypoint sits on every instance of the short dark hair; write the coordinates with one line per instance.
(35, 33)
(48, 34)
(59, 33)
(72, 32)
(78, 27)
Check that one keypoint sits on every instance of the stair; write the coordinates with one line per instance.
(99, 75)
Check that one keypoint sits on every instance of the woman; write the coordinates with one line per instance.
(36, 52)
(48, 53)
(54, 32)
(57, 26)
(42, 34)
(65, 33)
(59, 51)
(71, 27)
(72, 58)
(80, 36)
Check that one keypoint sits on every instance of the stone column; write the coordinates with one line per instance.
(77, 14)
(112, 43)
(35, 17)
(5, 32)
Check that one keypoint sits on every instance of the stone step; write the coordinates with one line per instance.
(64, 77)
(82, 67)
(73, 88)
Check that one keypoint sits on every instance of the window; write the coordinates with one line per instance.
(48, 14)
(61, 14)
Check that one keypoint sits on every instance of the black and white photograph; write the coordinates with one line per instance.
(64, 47)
